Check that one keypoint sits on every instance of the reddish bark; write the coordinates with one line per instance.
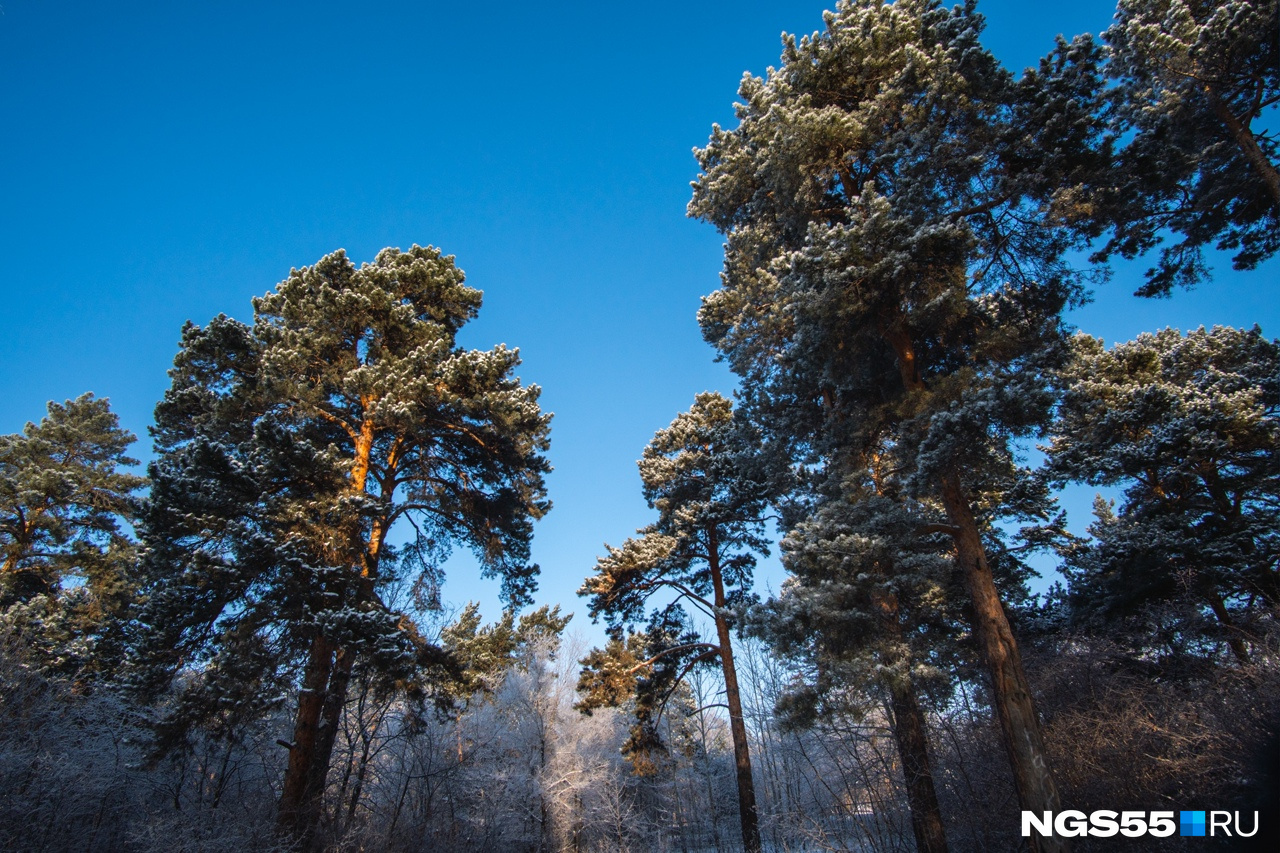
(1010, 690)
(299, 797)
(748, 817)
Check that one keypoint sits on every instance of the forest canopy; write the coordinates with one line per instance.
(250, 644)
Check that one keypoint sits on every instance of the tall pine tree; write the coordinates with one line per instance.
(288, 451)
(891, 271)
(1188, 426)
(711, 501)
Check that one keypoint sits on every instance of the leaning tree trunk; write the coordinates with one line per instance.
(747, 814)
(1247, 142)
(1010, 690)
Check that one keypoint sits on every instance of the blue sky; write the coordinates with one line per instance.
(165, 161)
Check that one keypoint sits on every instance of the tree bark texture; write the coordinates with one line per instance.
(733, 698)
(320, 704)
(298, 796)
(1010, 690)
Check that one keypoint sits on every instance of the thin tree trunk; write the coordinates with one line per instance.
(358, 788)
(909, 730)
(1234, 640)
(737, 725)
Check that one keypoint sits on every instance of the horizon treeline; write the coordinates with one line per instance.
(248, 649)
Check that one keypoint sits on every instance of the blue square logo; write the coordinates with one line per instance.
(1191, 823)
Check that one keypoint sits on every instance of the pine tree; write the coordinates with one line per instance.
(711, 501)
(1188, 425)
(643, 671)
(867, 613)
(482, 654)
(1196, 89)
(290, 448)
(894, 271)
(68, 565)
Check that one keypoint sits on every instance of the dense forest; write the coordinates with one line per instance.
(249, 648)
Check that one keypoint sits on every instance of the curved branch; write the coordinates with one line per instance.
(680, 679)
(711, 649)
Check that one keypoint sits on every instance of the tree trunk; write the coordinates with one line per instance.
(320, 703)
(922, 798)
(325, 683)
(1234, 640)
(912, 741)
(357, 789)
(737, 725)
(909, 731)
(1248, 144)
(298, 793)
(1010, 691)
(335, 701)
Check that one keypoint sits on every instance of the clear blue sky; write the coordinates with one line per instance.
(165, 161)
